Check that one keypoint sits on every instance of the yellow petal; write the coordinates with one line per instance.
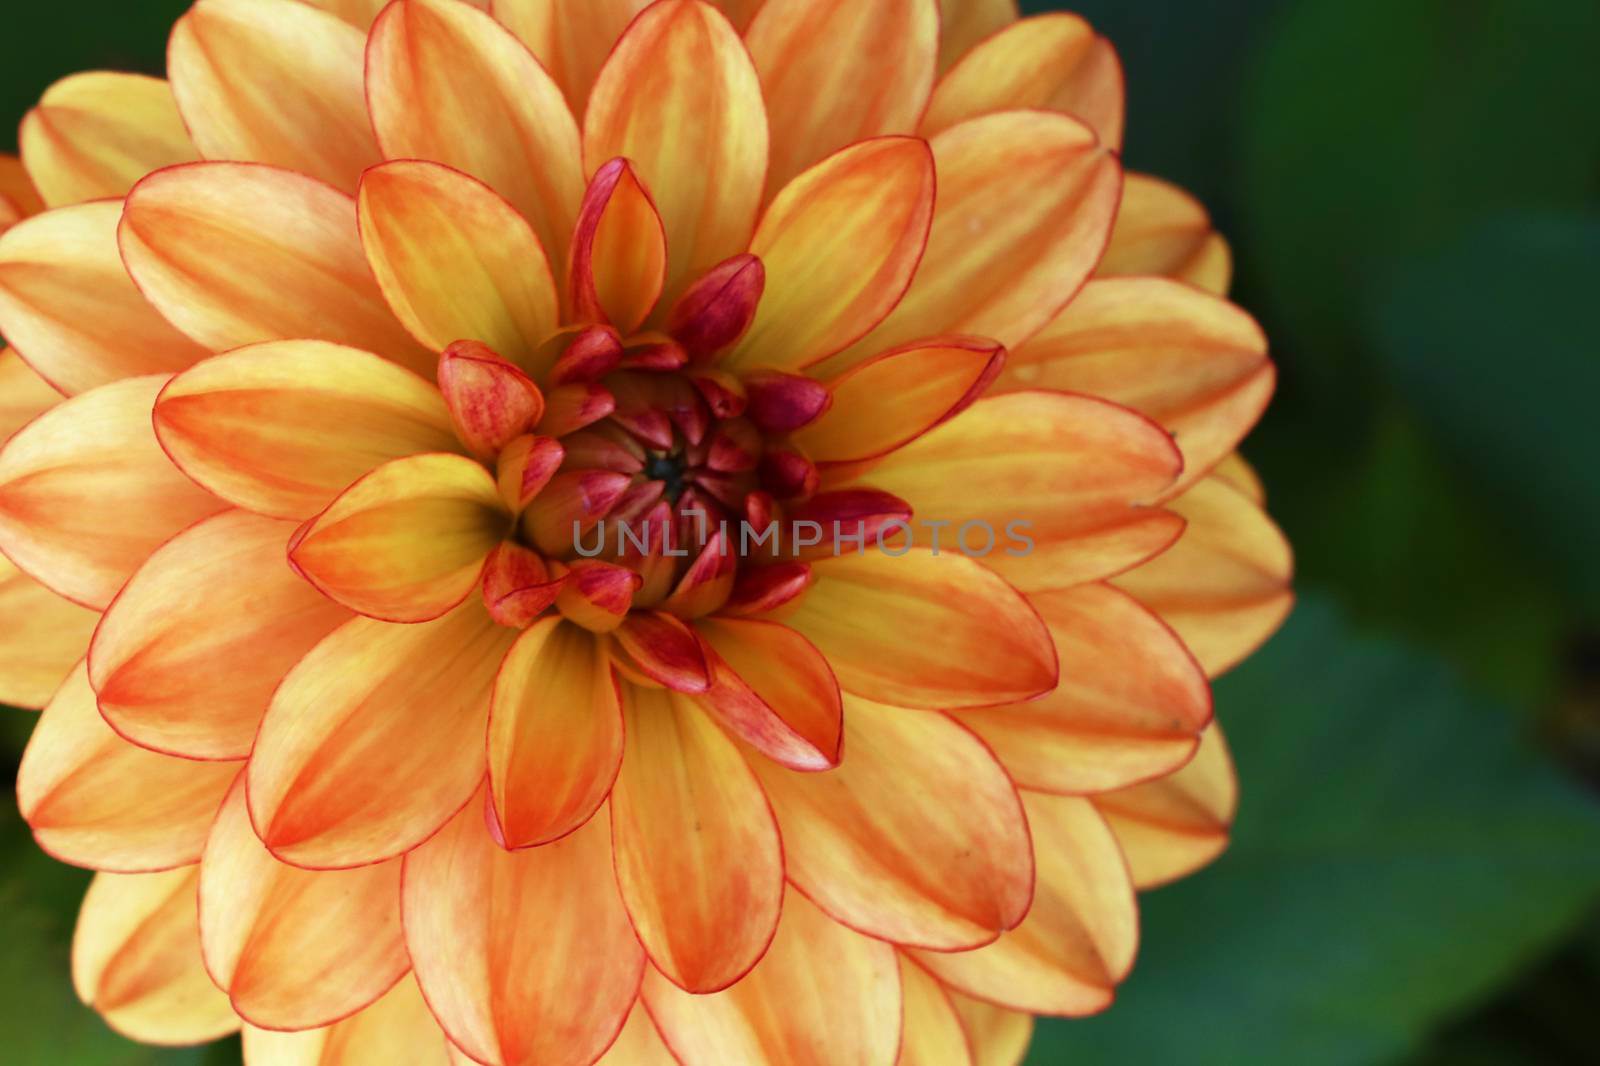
(41, 637)
(966, 22)
(999, 1037)
(1236, 471)
(571, 38)
(397, 1028)
(1162, 230)
(932, 1033)
(24, 395)
(639, 1044)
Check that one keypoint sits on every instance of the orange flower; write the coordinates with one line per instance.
(383, 328)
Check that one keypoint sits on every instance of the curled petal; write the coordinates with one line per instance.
(597, 595)
(1163, 231)
(491, 401)
(41, 637)
(774, 690)
(763, 589)
(525, 467)
(619, 253)
(966, 22)
(717, 309)
(397, 1028)
(782, 403)
(517, 586)
(568, 408)
(708, 582)
(570, 505)
(665, 649)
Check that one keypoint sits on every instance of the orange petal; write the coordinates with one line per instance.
(680, 99)
(639, 1044)
(525, 957)
(782, 1014)
(189, 653)
(840, 244)
(136, 959)
(698, 858)
(448, 83)
(618, 262)
(966, 22)
(571, 38)
(455, 260)
(921, 629)
(24, 395)
(359, 13)
(1130, 706)
(397, 1028)
(41, 637)
(1242, 476)
(96, 133)
(835, 72)
(1058, 481)
(1190, 361)
(1162, 230)
(86, 493)
(235, 253)
(491, 401)
(16, 189)
(295, 949)
(930, 382)
(1026, 200)
(1052, 62)
(1173, 826)
(665, 649)
(931, 1033)
(68, 306)
(918, 837)
(93, 799)
(1224, 587)
(773, 689)
(281, 428)
(407, 542)
(555, 734)
(375, 739)
(266, 82)
(999, 1037)
(1079, 938)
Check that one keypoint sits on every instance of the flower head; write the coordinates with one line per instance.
(708, 523)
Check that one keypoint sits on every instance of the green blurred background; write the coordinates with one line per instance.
(1412, 189)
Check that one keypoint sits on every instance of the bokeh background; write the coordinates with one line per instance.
(1412, 189)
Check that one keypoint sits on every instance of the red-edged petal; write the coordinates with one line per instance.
(619, 253)
(517, 586)
(41, 637)
(665, 649)
(999, 1037)
(1162, 230)
(491, 401)
(774, 690)
(397, 1028)
(718, 308)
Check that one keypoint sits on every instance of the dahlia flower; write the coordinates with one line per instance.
(338, 353)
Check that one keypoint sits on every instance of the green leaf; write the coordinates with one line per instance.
(1400, 850)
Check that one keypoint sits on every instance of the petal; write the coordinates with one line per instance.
(921, 629)
(719, 307)
(665, 649)
(1079, 938)
(1162, 230)
(999, 1037)
(1242, 476)
(525, 957)
(448, 83)
(1181, 357)
(782, 1014)
(1052, 62)
(840, 244)
(492, 402)
(918, 837)
(236, 253)
(397, 1028)
(1173, 826)
(17, 190)
(86, 493)
(1130, 706)
(455, 260)
(136, 959)
(94, 134)
(1026, 200)
(639, 1044)
(835, 72)
(931, 1033)
(1057, 482)
(41, 637)
(698, 858)
(375, 738)
(1224, 587)
(407, 542)
(571, 38)
(358, 13)
(966, 22)
(618, 263)
(68, 305)
(187, 657)
(773, 689)
(93, 799)
(24, 395)
(295, 948)
(681, 100)
(555, 734)
(930, 381)
(266, 81)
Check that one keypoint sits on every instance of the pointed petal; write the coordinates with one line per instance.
(397, 1028)
(517, 586)
(1053, 62)
(187, 657)
(717, 309)
(1061, 482)
(448, 83)
(455, 261)
(236, 253)
(1162, 230)
(1238, 472)
(136, 959)
(931, 1033)
(680, 99)
(1173, 826)
(262, 81)
(571, 38)
(1130, 706)
(491, 401)
(41, 637)
(1190, 361)
(93, 799)
(91, 457)
(358, 13)
(94, 134)
(781, 1014)
(664, 649)
(966, 22)
(526, 957)
(526, 466)
(68, 305)
(921, 629)
(840, 244)
(24, 395)
(999, 1037)
(835, 72)
(1079, 938)
(282, 428)
(698, 858)
(1224, 587)
(618, 262)
(375, 739)
(773, 689)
